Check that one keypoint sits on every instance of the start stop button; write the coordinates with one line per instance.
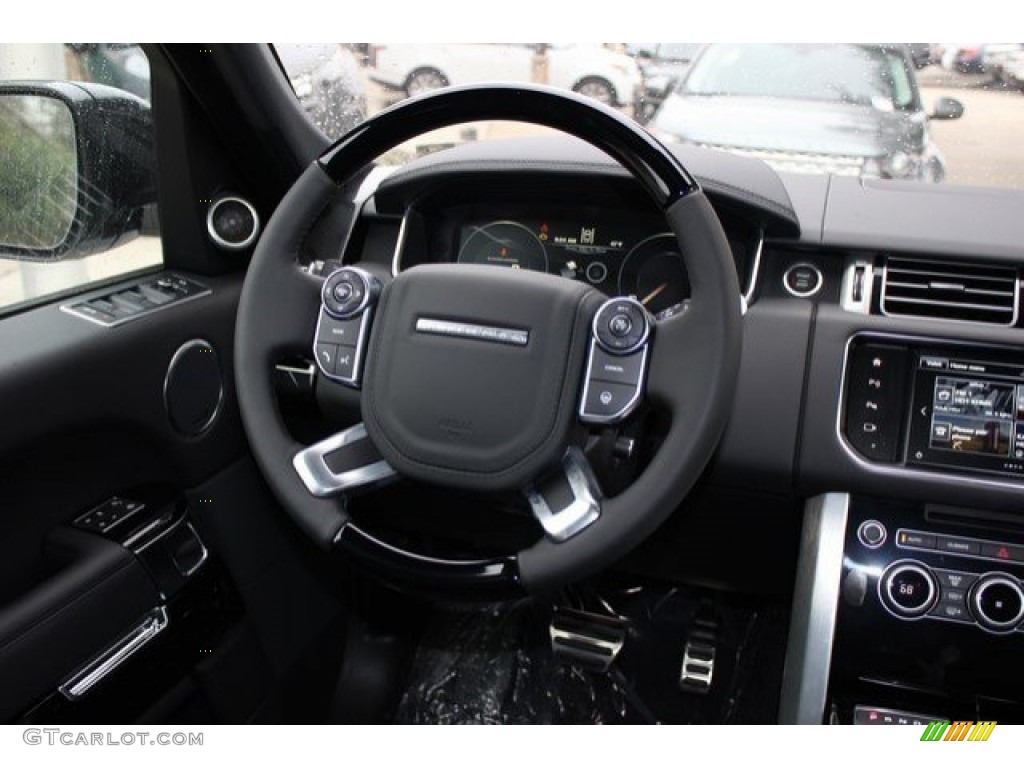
(802, 280)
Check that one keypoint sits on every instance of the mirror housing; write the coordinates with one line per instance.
(946, 108)
(81, 159)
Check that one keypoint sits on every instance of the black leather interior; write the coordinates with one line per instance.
(97, 592)
(467, 412)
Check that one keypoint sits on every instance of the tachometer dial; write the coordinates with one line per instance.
(504, 244)
(654, 272)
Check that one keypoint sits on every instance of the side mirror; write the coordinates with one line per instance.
(947, 109)
(76, 167)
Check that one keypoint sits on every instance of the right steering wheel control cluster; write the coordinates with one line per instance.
(617, 361)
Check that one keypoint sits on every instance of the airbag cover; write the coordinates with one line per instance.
(467, 411)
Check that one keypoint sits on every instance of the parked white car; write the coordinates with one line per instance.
(592, 70)
(1013, 70)
(996, 57)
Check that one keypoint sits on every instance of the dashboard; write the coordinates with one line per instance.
(622, 248)
(617, 257)
(881, 387)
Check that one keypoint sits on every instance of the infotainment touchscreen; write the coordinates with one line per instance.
(968, 413)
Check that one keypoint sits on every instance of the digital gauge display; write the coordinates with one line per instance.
(619, 259)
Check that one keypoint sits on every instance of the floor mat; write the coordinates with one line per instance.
(495, 664)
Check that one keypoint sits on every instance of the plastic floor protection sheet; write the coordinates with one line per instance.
(494, 665)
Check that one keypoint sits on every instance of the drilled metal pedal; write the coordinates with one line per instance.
(589, 640)
(698, 669)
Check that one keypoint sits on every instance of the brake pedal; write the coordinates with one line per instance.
(698, 669)
(588, 639)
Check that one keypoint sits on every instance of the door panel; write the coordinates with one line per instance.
(85, 415)
(96, 593)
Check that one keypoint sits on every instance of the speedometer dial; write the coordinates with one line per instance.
(654, 272)
(504, 244)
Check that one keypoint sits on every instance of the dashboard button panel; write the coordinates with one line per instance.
(964, 546)
(915, 589)
(880, 716)
(875, 400)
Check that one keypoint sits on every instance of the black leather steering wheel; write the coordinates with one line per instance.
(437, 348)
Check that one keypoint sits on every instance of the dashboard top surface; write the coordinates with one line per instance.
(581, 208)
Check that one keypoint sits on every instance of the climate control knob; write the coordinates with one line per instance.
(997, 602)
(908, 589)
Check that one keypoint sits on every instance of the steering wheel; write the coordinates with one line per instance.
(479, 378)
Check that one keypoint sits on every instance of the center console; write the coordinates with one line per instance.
(929, 616)
(911, 611)
(945, 407)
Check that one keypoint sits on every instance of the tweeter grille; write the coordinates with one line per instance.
(232, 223)
(193, 388)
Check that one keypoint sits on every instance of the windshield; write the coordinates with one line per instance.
(924, 112)
(852, 74)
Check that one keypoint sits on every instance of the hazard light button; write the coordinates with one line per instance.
(1004, 552)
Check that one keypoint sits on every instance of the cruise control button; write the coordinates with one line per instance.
(620, 325)
(620, 343)
(326, 357)
(605, 399)
(333, 331)
(346, 365)
(622, 369)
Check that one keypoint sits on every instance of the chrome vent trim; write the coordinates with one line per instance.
(946, 290)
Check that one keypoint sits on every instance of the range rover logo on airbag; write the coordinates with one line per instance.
(513, 336)
(455, 429)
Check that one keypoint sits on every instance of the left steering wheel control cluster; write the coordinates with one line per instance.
(617, 361)
(347, 301)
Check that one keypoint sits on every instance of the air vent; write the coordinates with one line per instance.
(977, 293)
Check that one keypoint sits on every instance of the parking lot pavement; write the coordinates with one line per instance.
(984, 147)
